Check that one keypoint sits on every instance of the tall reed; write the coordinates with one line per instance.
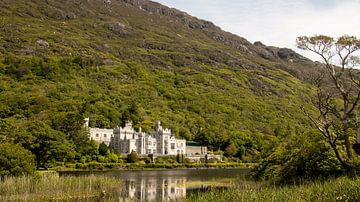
(51, 186)
(341, 189)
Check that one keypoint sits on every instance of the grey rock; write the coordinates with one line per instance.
(117, 28)
(108, 62)
(43, 43)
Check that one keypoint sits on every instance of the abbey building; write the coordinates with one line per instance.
(127, 139)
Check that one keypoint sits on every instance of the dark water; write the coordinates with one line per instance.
(160, 185)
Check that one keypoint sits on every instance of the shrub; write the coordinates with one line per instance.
(103, 149)
(101, 159)
(15, 160)
(132, 157)
(159, 160)
(113, 158)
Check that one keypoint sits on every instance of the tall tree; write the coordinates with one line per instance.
(47, 144)
(338, 92)
(15, 160)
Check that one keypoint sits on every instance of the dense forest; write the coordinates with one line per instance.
(63, 61)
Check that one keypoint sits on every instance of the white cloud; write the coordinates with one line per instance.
(277, 22)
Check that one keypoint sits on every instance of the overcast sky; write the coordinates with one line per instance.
(277, 22)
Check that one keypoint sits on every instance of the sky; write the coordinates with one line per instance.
(277, 22)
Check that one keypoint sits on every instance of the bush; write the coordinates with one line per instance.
(159, 160)
(132, 157)
(113, 158)
(103, 149)
(101, 159)
(297, 160)
(15, 160)
(212, 160)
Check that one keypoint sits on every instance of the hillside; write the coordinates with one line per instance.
(119, 59)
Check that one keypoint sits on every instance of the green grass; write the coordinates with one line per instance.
(49, 186)
(341, 189)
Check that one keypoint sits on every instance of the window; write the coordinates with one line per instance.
(97, 135)
(104, 135)
(149, 151)
(172, 145)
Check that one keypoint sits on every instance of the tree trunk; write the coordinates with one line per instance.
(351, 171)
(347, 143)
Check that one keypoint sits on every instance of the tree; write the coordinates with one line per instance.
(132, 157)
(338, 92)
(15, 160)
(47, 144)
(103, 149)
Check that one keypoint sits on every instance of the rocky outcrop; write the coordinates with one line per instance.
(117, 28)
(216, 33)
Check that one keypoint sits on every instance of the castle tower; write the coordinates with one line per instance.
(158, 126)
(86, 124)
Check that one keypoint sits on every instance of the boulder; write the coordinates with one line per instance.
(43, 43)
(117, 28)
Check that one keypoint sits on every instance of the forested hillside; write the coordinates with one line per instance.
(62, 61)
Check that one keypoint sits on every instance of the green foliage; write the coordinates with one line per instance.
(204, 90)
(47, 144)
(15, 160)
(48, 186)
(341, 189)
(132, 157)
(180, 158)
(301, 158)
(103, 149)
(113, 158)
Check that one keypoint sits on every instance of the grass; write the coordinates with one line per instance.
(341, 189)
(49, 186)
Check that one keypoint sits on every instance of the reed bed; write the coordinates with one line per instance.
(51, 186)
(341, 189)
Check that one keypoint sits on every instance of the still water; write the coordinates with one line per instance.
(162, 185)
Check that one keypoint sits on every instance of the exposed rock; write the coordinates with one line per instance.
(43, 43)
(117, 28)
(108, 62)
(286, 54)
(258, 43)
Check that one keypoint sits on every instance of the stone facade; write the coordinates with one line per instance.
(196, 150)
(127, 139)
(100, 134)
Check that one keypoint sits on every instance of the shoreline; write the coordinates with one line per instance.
(149, 167)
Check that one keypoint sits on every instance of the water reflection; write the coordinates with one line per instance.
(155, 189)
(163, 185)
(168, 185)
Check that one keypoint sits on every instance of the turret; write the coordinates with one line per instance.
(86, 124)
(158, 126)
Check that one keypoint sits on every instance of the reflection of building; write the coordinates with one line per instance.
(127, 139)
(155, 189)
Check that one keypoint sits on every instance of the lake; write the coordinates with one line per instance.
(160, 185)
